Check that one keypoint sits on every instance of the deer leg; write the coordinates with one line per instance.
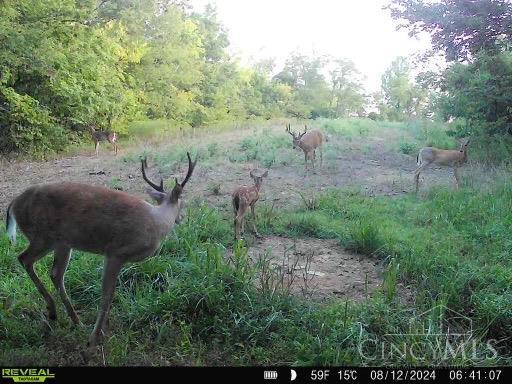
(27, 258)
(321, 157)
(305, 164)
(239, 222)
(417, 175)
(97, 148)
(60, 264)
(456, 174)
(111, 271)
(254, 221)
(114, 146)
(237, 227)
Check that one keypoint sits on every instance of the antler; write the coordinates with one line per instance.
(288, 127)
(191, 166)
(159, 188)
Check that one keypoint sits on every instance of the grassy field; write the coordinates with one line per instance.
(203, 301)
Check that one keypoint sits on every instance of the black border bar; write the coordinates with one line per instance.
(54, 375)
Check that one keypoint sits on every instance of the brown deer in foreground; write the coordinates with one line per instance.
(98, 136)
(63, 216)
(308, 142)
(243, 198)
(443, 157)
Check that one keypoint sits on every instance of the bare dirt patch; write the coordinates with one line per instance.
(320, 268)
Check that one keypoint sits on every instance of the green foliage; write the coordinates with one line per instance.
(313, 96)
(480, 94)
(348, 128)
(408, 148)
(459, 29)
(116, 64)
(475, 88)
(402, 99)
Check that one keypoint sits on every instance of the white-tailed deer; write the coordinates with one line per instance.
(98, 136)
(60, 217)
(308, 142)
(449, 158)
(243, 198)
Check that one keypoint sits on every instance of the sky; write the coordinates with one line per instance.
(359, 30)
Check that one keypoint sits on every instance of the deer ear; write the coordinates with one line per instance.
(265, 174)
(156, 195)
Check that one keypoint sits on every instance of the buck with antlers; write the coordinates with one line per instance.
(243, 198)
(443, 157)
(99, 136)
(63, 216)
(308, 142)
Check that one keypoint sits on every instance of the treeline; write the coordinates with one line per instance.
(475, 90)
(66, 64)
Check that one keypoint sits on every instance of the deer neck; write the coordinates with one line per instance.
(257, 188)
(305, 147)
(166, 214)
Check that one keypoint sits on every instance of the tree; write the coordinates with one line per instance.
(59, 72)
(480, 93)
(460, 28)
(311, 92)
(477, 36)
(402, 98)
(346, 89)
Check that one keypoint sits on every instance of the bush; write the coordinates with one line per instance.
(29, 128)
(408, 148)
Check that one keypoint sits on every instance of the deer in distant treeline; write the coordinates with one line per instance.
(98, 136)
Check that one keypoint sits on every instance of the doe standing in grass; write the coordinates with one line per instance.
(61, 216)
(243, 198)
(444, 157)
(98, 136)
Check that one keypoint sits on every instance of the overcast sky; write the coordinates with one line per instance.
(359, 30)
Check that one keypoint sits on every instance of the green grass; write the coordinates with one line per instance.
(453, 246)
(192, 305)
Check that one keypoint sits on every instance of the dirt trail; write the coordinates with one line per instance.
(366, 165)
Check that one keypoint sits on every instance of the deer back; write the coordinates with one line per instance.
(89, 218)
(312, 139)
(245, 193)
(442, 156)
(103, 135)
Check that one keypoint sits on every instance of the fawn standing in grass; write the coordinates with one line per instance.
(98, 136)
(243, 198)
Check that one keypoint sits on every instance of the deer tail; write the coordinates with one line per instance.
(10, 224)
(236, 203)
